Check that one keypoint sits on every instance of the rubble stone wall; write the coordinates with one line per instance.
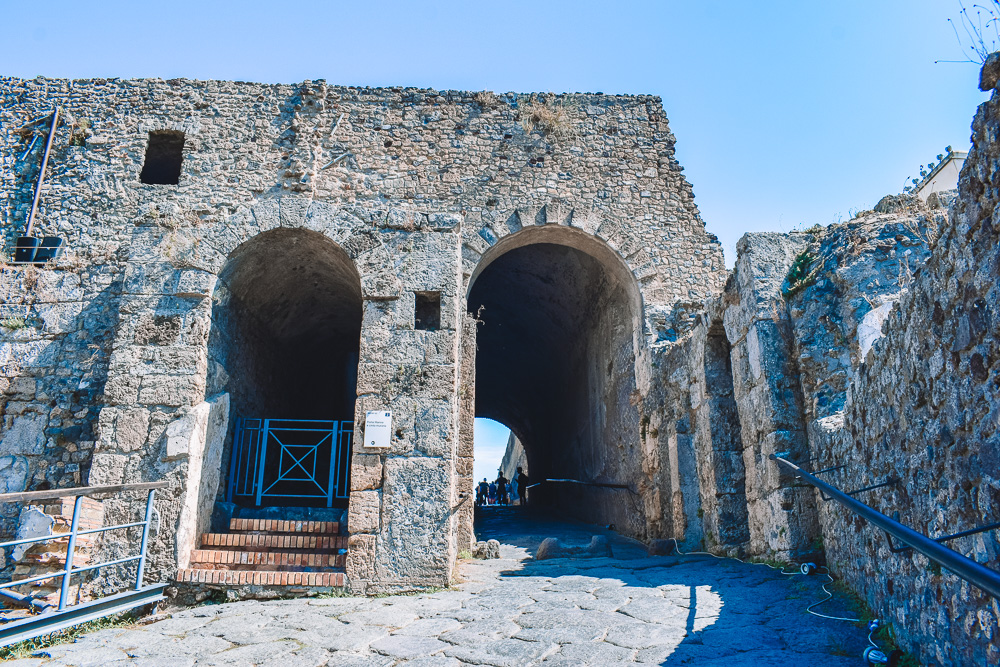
(415, 186)
(924, 408)
(868, 347)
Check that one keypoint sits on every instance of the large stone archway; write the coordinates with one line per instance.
(560, 339)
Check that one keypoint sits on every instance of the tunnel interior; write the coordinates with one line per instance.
(285, 338)
(555, 362)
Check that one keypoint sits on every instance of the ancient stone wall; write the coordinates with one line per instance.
(867, 347)
(416, 187)
(923, 408)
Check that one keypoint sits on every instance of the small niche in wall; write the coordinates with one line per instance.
(427, 311)
(164, 154)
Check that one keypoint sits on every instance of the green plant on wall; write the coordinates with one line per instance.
(802, 274)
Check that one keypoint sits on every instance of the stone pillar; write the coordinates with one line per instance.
(768, 395)
(156, 424)
(401, 514)
(465, 491)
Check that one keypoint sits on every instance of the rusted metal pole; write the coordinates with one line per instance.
(41, 173)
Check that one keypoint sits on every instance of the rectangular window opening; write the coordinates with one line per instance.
(164, 154)
(427, 311)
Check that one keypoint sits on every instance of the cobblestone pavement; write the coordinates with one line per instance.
(512, 611)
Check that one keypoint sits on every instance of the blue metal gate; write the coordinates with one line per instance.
(280, 462)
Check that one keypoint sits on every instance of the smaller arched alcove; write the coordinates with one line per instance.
(286, 331)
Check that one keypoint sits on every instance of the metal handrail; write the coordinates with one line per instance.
(976, 574)
(80, 493)
(27, 496)
(603, 485)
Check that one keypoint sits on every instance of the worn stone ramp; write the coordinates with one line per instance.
(628, 609)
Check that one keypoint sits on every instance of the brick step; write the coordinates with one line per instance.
(217, 559)
(278, 526)
(261, 578)
(267, 541)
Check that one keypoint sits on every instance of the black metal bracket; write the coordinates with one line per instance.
(889, 482)
(946, 538)
(826, 470)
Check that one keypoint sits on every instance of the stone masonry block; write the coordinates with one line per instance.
(364, 511)
(171, 390)
(366, 472)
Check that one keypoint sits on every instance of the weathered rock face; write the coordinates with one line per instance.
(514, 458)
(868, 347)
(924, 408)
(308, 228)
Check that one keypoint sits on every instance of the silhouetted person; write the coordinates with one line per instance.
(521, 480)
(493, 493)
(482, 492)
(502, 483)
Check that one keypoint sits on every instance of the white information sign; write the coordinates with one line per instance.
(378, 428)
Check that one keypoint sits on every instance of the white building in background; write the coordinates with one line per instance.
(944, 176)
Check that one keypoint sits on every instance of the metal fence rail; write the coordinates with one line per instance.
(67, 614)
(964, 567)
(290, 461)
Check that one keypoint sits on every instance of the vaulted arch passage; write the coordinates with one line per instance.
(286, 330)
(555, 362)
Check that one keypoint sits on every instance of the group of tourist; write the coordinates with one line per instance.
(502, 491)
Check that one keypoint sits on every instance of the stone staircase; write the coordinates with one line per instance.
(270, 552)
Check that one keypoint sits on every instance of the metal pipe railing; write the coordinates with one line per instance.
(67, 572)
(29, 225)
(604, 485)
(962, 566)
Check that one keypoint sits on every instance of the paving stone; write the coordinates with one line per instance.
(388, 617)
(179, 625)
(590, 653)
(477, 632)
(502, 652)
(435, 661)
(304, 620)
(345, 659)
(311, 656)
(352, 637)
(253, 654)
(429, 627)
(93, 657)
(408, 647)
(153, 662)
(643, 635)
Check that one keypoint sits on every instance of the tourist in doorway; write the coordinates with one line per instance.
(502, 483)
(493, 493)
(482, 492)
(521, 481)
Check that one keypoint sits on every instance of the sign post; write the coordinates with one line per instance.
(378, 429)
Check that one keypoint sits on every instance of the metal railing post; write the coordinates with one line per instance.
(145, 539)
(334, 462)
(64, 591)
(262, 455)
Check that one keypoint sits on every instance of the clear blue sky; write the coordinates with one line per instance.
(491, 443)
(786, 113)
